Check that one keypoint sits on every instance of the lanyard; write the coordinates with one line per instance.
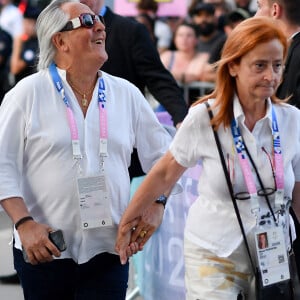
(246, 169)
(71, 119)
(278, 161)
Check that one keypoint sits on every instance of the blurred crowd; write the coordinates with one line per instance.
(18, 41)
(188, 46)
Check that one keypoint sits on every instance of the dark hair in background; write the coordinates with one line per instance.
(147, 5)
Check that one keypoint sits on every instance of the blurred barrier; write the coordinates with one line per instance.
(199, 89)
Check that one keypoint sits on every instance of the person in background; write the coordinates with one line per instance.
(222, 8)
(146, 14)
(248, 5)
(203, 16)
(210, 39)
(233, 18)
(133, 56)
(5, 52)
(66, 135)
(11, 19)
(173, 22)
(25, 48)
(159, 30)
(192, 5)
(163, 33)
(185, 63)
(287, 15)
(247, 117)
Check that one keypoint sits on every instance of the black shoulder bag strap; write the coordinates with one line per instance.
(230, 187)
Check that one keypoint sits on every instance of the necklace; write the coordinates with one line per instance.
(84, 100)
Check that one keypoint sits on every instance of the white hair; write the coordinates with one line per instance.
(50, 21)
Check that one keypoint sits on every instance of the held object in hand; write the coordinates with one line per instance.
(57, 238)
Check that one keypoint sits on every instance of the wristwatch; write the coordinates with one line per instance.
(162, 199)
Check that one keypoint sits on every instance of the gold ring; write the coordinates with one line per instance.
(143, 233)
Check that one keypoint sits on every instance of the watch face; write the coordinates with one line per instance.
(162, 198)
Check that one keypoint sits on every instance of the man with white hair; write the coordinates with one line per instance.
(67, 133)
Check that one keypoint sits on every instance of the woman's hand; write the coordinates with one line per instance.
(148, 223)
(133, 236)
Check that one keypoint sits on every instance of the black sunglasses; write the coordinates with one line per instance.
(84, 20)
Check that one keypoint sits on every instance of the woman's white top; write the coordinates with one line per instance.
(212, 222)
(36, 160)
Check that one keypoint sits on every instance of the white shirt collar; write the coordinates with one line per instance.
(239, 113)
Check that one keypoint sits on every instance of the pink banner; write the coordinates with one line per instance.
(166, 7)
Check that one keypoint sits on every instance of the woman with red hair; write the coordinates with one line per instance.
(261, 159)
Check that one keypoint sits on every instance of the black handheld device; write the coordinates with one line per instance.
(57, 238)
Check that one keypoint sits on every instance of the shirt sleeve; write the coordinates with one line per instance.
(12, 139)
(190, 142)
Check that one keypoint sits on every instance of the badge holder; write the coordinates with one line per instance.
(94, 202)
(271, 254)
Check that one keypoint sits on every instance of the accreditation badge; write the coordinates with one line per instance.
(94, 202)
(272, 255)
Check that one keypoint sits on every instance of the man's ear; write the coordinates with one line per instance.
(59, 41)
(276, 11)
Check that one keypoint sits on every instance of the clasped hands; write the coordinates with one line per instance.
(133, 235)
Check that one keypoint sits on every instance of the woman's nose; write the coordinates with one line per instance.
(269, 74)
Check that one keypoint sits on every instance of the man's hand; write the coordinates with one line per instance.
(35, 241)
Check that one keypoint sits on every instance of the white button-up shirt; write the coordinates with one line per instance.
(212, 222)
(36, 161)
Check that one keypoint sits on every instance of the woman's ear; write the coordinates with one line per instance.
(232, 67)
(59, 41)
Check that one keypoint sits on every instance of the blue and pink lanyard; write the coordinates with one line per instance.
(71, 119)
(245, 165)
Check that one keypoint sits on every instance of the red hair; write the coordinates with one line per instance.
(245, 37)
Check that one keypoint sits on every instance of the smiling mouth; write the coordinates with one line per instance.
(99, 42)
